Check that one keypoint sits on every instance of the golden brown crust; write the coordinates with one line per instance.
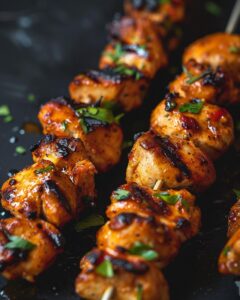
(136, 44)
(177, 163)
(210, 129)
(130, 275)
(217, 50)
(42, 190)
(69, 156)
(28, 264)
(103, 144)
(113, 88)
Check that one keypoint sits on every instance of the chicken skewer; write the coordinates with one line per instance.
(151, 216)
(82, 137)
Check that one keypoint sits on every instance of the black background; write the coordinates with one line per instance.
(43, 44)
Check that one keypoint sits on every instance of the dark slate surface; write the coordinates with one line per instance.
(43, 44)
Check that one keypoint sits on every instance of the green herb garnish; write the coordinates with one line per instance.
(16, 242)
(90, 221)
(104, 116)
(20, 150)
(124, 70)
(64, 125)
(5, 113)
(105, 269)
(213, 8)
(44, 170)
(193, 78)
(226, 250)
(164, 1)
(8, 119)
(172, 199)
(195, 106)
(127, 144)
(145, 251)
(121, 194)
(237, 193)
(118, 53)
(31, 98)
(169, 199)
(234, 49)
(139, 292)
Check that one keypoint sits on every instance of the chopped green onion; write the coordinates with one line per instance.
(44, 170)
(31, 98)
(124, 70)
(127, 144)
(234, 49)
(237, 193)
(169, 199)
(64, 125)
(191, 78)
(105, 269)
(4, 111)
(121, 194)
(226, 250)
(90, 221)
(139, 292)
(103, 115)
(213, 8)
(8, 119)
(16, 242)
(118, 53)
(20, 150)
(195, 106)
(144, 251)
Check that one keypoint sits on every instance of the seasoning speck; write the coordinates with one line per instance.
(13, 140)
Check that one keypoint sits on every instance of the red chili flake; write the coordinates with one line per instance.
(216, 116)
(189, 123)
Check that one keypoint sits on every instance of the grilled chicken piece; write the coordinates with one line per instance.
(176, 163)
(234, 219)
(27, 248)
(41, 190)
(164, 15)
(208, 126)
(143, 217)
(219, 50)
(174, 208)
(200, 81)
(131, 278)
(229, 260)
(69, 156)
(96, 127)
(125, 87)
(135, 44)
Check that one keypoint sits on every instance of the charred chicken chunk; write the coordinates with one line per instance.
(210, 127)
(135, 44)
(174, 208)
(200, 81)
(41, 190)
(120, 275)
(27, 248)
(229, 260)
(68, 155)
(144, 219)
(163, 14)
(176, 163)
(96, 127)
(123, 86)
(219, 50)
(234, 219)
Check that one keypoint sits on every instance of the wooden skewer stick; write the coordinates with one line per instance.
(234, 18)
(108, 294)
